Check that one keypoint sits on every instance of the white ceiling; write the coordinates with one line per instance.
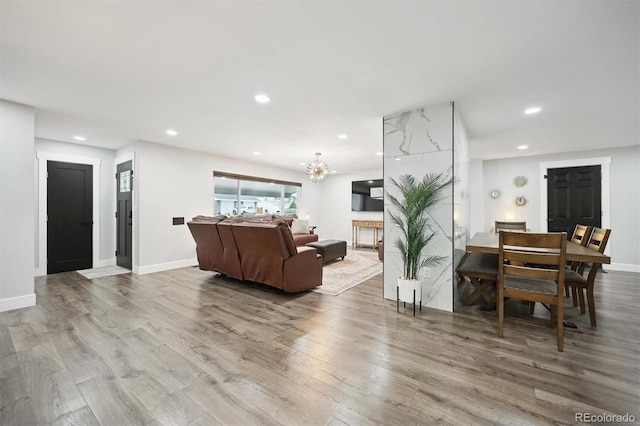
(118, 71)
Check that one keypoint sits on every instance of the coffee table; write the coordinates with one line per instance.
(330, 249)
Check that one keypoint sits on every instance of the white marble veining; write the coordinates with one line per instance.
(461, 201)
(419, 142)
(418, 131)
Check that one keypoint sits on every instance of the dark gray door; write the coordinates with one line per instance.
(124, 215)
(69, 217)
(574, 197)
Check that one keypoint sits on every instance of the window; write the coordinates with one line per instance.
(248, 195)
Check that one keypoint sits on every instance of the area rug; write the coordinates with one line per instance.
(341, 275)
(105, 271)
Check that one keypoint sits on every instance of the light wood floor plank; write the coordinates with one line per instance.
(188, 347)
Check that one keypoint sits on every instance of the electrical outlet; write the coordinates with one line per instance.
(426, 272)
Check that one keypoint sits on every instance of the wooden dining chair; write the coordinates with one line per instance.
(510, 226)
(576, 280)
(581, 235)
(523, 277)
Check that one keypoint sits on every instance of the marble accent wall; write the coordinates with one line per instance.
(418, 142)
(461, 194)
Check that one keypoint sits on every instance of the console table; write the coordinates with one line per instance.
(355, 228)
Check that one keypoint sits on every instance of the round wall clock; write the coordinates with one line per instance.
(520, 181)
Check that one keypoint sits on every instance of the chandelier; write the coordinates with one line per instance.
(318, 170)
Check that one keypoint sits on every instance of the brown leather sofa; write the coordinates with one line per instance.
(299, 239)
(255, 250)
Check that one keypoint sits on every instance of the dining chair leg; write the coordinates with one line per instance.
(581, 299)
(566, 291)
(574, 293)
(554, 315)
(500, 312)
(532, 307)
(560, 313)
(592, 306)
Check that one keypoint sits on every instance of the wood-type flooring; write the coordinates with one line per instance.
(185, 347)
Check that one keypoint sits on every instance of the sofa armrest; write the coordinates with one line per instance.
(302, 271)
(302, 239)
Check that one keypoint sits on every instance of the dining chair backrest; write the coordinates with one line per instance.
(533, 255)
(576, 279)
(510, 226)
(581, 235)
(531, 267)
(598, 242)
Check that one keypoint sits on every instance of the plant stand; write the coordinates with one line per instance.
(409, 290)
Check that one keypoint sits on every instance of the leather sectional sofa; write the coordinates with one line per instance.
(299, 239)
(257, 250)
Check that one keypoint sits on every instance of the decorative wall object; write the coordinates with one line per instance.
(521, 201)
(495, 193)
(520, 181)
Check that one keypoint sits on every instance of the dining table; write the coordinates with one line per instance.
(488, 242)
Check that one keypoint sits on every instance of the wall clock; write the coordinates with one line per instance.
(521, 201)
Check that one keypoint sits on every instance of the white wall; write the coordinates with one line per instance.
(16, 206)
(171, 182)
(624, 243)
(104, 231)
(335, 213)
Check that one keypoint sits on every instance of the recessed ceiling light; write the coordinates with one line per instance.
(171, 132)
(369, 181)
(379, 153)
(79, 138)
(521, 147)
(262, 98)
(532, 110)
(256, 152)
(342, 136)
(398, 159)
(333, 171)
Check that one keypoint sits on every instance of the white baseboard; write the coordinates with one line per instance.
(19, 302)
(40, 272)
(141, 270)
(623, 267)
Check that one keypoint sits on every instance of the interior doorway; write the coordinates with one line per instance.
(124, 214)
(603, 162)
(574, 197)
(69, 216)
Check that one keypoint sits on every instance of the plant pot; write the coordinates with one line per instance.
(409, 291)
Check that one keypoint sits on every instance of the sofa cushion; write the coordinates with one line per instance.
(300, 226)
(288, 237)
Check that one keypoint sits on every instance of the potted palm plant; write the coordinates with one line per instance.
(411, 216)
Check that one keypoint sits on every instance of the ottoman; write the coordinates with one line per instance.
(330, 249)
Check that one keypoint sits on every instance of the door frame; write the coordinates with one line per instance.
(603, 162)
(43, 157)
(131, 156)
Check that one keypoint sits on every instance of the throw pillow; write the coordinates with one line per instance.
(299, 226)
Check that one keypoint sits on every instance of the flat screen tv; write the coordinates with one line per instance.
(366, 195)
